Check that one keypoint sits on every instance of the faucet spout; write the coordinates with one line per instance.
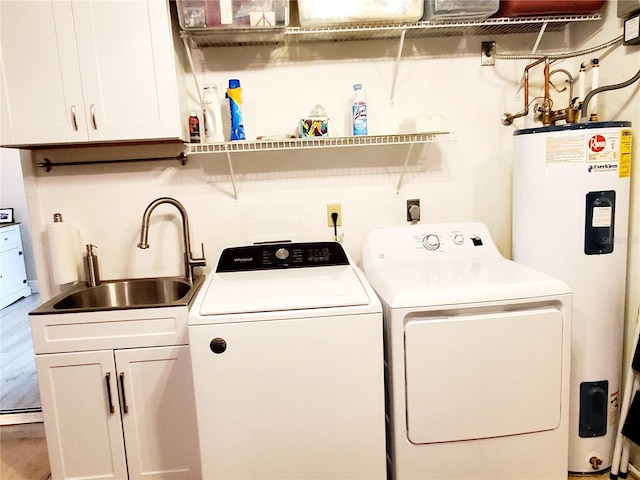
(190, 262)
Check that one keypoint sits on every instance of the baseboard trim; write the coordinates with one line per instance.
(20, 418)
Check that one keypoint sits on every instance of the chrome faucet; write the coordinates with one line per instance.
(189, 261)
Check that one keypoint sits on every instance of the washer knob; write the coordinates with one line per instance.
(458, 239)
(282, 254)
(218, 345)
(431, 241)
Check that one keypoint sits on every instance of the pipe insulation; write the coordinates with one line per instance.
(606, 88)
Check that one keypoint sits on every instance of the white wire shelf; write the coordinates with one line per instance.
(217, 37)
(319, 142)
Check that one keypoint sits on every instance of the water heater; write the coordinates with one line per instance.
(570, 220)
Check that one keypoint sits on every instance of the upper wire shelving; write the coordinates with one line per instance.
(216, 37)
(314, 142)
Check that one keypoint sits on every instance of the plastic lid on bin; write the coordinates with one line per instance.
(234, 83)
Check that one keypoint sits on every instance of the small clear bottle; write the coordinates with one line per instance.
(359, 110)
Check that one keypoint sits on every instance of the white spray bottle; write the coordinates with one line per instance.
(212, 113)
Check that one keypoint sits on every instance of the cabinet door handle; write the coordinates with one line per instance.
(93, 116)
(125, 407)
(107, 378)
(74, 118)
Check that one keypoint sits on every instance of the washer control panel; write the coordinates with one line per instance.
(281, 255)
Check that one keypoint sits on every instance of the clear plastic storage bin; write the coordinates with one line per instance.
(459, 9)
(198, 14)
(338, 12)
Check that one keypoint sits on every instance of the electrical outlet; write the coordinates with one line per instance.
(413, 210)
(487, 57)
(334, 208)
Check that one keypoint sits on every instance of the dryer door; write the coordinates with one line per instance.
(485, 375)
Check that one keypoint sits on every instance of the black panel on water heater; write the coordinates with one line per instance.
(599, 222)
(593, 409)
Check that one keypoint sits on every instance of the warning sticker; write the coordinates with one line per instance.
(625, 154)
(614, 405)
(565, 149)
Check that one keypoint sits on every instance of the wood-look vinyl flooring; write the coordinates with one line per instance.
(18, 381)
(24, 457)
(24, 454)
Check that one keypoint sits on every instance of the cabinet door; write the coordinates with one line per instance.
(13, 276)
(40, 76)
(127, 67)
(159, 419)
(84, 432)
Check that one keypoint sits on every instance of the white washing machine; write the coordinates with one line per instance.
(478, 355)
(288, 365)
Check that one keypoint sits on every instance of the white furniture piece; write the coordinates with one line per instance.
(13, 275)
(478, 355)
(117, 394)
(88, 71)
(287, 357)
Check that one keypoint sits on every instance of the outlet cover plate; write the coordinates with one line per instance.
(331, 208)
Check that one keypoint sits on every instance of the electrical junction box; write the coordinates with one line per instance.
(632, 30)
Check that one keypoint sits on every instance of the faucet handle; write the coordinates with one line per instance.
(199, 262)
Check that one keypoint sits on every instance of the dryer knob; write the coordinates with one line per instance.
(431, 242)
(218, 345)
(458, 239)
(282, 254)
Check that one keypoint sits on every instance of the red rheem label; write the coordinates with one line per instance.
(597, 143)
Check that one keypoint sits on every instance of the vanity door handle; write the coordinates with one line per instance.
(125, 407)
(74, 118)
(107, 378)
(93, 116)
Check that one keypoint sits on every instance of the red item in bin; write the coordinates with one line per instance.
(521, 8)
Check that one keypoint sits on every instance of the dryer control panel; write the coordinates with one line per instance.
(428, 242)
(435, 241)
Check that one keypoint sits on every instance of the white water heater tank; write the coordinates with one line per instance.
(570, 220)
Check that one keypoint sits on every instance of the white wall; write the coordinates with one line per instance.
(283, 193)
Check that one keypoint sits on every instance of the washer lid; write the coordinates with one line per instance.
(288, 289)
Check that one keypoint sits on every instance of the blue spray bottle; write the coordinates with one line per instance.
(234, 94)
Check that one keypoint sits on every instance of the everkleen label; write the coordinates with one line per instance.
(625, 154)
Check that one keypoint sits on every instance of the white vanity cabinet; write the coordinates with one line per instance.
(125, 412)
(13, 275)
(76, 71)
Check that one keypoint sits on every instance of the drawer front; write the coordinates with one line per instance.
(9, 238)
(75, 332)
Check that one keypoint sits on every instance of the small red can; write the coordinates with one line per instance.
(194, 128)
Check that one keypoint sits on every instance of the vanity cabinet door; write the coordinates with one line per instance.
(126, 56)
(159, 417)
(82, 415)
(78, 71)
(40, 76)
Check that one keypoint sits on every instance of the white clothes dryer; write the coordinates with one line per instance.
(478, 355)
(288, 366)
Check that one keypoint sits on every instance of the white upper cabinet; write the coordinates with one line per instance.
(77, 71)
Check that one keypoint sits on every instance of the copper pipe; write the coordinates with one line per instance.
(508, 118)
